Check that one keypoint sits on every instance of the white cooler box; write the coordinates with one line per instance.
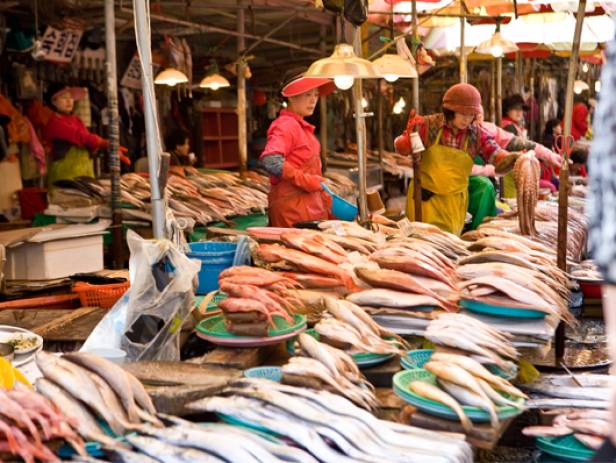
(56, 253)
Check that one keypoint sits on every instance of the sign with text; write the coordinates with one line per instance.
(60, 46)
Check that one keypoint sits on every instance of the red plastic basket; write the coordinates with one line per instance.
(103, 296)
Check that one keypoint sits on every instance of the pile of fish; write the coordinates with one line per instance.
(255, 296)
(324, 367)
(342, 186)
(88, 388)
(560, 391)
(546, 224)
(590, 427)
(464, 381)
(28, 422)
(526, 174)
(349, 327)
(487, 345)
(586, 270)
(202, 197)
(508, 270)
(331, 428)
(309, 258)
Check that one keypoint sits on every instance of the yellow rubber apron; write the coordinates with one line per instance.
(75, 163)
(444, 172)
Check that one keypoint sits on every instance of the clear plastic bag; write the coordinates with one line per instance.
(147, 320)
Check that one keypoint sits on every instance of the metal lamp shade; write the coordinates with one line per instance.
(214, 82)
(391, 64)
(496, 42)
(343, 62)
(171, 77)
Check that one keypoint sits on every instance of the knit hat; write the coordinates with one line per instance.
(463, 99)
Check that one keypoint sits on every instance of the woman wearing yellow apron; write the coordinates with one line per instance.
(452, 141)
(71, 142)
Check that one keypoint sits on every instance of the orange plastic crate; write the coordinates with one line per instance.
(103, 296)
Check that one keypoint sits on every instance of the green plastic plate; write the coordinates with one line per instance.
(402, 380)
(418, 358)
(361, 360)
(567, 448)
(244, 424)
(215, 326)
(498, 311)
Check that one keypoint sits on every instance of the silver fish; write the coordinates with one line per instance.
(167, 453)
(566, 403)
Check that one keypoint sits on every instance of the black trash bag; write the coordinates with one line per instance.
(356, 11)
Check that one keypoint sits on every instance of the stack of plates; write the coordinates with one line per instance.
(499, 311)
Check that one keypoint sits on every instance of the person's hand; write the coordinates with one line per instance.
(486, 171)
(554, 160)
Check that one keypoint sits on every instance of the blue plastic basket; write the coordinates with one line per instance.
(341, 208)
(215, 257)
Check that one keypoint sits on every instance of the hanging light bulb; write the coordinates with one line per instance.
(579, 86)
(496, 50)
(284, 104)
(597, 86)
(401, 102)
(344, 82)
(392, 67)
(585, 67)
(171, 77)
(398, 109)
(390, 77)
(364, 103)
(497, 45)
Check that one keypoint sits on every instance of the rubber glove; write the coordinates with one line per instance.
(307, 182)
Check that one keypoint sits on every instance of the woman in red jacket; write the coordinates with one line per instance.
(579, 116)
(292, 156)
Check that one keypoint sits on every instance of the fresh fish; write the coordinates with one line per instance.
(434, 393)
(167, 453)
(593, 442)
(566, 403)
(411, 265)
(75, 380)
(142, 398)
(390, 298)
(344, 334)
(316, 244)
(466, 397)
(85, 422)
(113, 375)
(128, 456)
(564, 392)
(497, 398)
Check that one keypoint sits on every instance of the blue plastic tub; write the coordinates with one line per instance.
(215, 257)
(341, 208)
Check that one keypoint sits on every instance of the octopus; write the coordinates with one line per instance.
(526, 174)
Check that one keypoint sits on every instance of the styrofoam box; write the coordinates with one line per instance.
(54, 259)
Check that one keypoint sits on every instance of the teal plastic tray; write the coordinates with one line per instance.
(567, 448)
(362, 360)
(215, 326)
(418, 358)
(271, 373)
(498, 311)
(401, 383)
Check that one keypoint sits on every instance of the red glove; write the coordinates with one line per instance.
(307, 182)
(125, 159)
(403, 142)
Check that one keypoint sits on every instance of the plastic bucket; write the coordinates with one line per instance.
(215, 257)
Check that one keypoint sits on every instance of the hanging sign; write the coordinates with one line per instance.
(60, 46)
(132, 75)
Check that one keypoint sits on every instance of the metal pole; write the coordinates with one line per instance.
(415, 42)
(563, 199)
(492, 90)
(113, 133)
(360, 132)
(152, 134)
(241, 94)
(499, 90)
(533, 125)
(323, 112)
(463, 75)
(379, 122)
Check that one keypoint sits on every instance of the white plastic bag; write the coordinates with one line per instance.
(146, 321)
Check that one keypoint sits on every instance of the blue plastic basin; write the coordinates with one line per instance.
(341, 208)
(215, 257)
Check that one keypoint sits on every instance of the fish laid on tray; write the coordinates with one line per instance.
(586, 270)
(324, 367)
(487, 345)
(464, 381)
(589, 426)
(255, 296)
(331, 427)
